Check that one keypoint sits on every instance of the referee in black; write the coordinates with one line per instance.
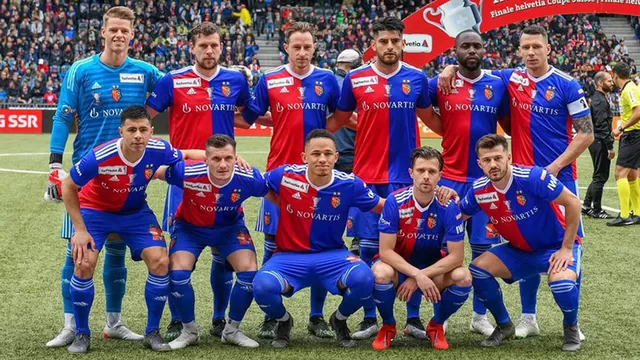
(602, 148)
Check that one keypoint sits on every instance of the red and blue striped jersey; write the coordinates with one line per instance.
(207, 204)
(111, 183)
(421, 232)
(387, 127)
(468, 113)
(524, 213)
(200, 106)
(314, 218)
(541, 116)
(298, 103)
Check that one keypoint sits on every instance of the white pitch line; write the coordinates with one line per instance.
(24, 171)
(606, 187)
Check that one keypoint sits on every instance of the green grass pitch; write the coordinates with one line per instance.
(31, 256)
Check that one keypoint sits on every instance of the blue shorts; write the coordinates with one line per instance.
(572, 185)
(139, 230)
(524, 264)
(366, 223)
(171, 203)
(226, 239)
(477, 230)
(303, 270)
(268, 217)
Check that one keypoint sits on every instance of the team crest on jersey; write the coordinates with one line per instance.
(209, 92)
(132, 177)
(319, 88)
(96, 99)
(387, 88)
(406, 86)
(116, 94)
(432, 220)
(235, 196)
(301, 89)
(173, 242)
(244, 238)
(534, 93)
(226, 89)
(316, 201)
(156, 232)
(472, 94)
(520, 197)
(267, 218)
(335, 200)
(148, 171)
(349, 223)
(419, 223)
(218, 197)
(488, 92)
(550, 93)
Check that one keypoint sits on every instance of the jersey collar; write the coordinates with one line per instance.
(386, 76)
(233, 173)
(471, 81)
(195, 71)
(417, 205)
(540, 78)
(300, 77)
(127, 162)
(506, 188)
(306, 176)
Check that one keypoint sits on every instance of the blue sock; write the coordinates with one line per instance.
(114, 274)
(267, 291)
(174, 309)
(453, 298)
(82, 294)
(269, 248)
(413, 305)
(156, 292)
(477, 250)
(488, 291)
(566, 294)
(367, 254)
(241, 295)
(529, 294)
(221, 284)
(385, 296)
(182, 296)
(358, 281)
(67, 273)
(318, 296)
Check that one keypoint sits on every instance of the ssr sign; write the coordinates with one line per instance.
(20, 121)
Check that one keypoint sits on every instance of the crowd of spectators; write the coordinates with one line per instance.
(39, 40)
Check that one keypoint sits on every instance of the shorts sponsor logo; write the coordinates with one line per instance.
(197, 186)
(487, 198)
(112, 170)
(364, 81)
(132, 78)
(276, 83)
(295, 184)
(187, 82)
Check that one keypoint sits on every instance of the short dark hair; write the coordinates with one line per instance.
(427, 153)
(388, 23)
(623, 70)
(490, 141)
(536, 30)
(219, 141)
(204, 29)
(319, 134)
(134, 112)
(466, 32)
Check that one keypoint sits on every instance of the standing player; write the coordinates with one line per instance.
(300, 97)
(211, 214)
(629, 149)
(518, 200)
(546, 105)
(315, 200)
(472, 109)
(414, 227)
(387, 95)
(94, 93)
(114, 178)
(202, 99)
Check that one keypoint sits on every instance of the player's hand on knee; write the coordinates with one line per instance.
(406, 290)
(428, 287)
(54, 187)
(243, 164)
(81, 243)
(560, 260)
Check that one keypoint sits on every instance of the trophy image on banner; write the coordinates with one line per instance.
(455, 17)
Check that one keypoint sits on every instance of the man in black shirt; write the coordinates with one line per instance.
(602, 148)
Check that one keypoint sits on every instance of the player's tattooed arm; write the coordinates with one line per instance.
(580, 143)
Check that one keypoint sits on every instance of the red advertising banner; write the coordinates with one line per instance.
(432, 30)
(20, 121)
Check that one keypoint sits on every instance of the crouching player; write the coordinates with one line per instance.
(314, 200)
(114, 178)
(414, 227)
(211, 214)
(524, 204)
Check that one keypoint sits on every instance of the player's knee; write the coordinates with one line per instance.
(267, 284)
(462, 277)
(482, 261)
(383, 273)
(563, 275)
(243, 260)
(85, 269)
(159, 265)
(359, 276)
